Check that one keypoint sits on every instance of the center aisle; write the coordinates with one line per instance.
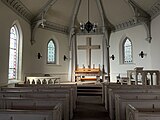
(90, 108)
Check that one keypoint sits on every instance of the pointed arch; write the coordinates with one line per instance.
(127, 51)
(51, 52)
(15, 52)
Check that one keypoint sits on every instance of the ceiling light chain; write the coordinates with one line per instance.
(88, 26)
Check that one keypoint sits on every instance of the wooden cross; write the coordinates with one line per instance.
(88, 47)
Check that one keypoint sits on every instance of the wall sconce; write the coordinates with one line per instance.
(39, 55)
(65, 58)
(142, 54)
(112, 57)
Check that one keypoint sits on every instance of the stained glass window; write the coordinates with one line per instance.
(13, 53)
(127, 51)
(51, 58)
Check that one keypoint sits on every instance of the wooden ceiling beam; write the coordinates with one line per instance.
(143, 17)
(44, 10)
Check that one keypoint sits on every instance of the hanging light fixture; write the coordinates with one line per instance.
(88, 26)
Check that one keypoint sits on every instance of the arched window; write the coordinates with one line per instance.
(13, 53)
(51, 54)
(127, 51)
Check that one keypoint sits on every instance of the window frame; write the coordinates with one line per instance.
(123, 51)
(17, 52)
(55, 60)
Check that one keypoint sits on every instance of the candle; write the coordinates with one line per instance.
(93, 66)
(83, 66)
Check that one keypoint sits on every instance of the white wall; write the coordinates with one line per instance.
(40, 66)
(96, 54)
(137, 35)
(6, 21)
(30, 63)
(155, 44)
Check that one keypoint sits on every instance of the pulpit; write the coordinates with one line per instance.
(87, 74)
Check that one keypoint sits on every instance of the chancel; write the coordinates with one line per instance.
(79, 59)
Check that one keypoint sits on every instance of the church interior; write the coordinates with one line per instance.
(79, 60)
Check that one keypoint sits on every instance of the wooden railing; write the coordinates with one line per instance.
(143, 77)
(42, 80)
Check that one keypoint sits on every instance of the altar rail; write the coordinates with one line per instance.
(143, 77)
(63, 76)
(42, 80)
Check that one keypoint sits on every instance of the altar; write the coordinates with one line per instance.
(87, 74)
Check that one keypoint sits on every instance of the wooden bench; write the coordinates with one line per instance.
(133, 113)
(135, 95)
(106, 88)
(72, 87)
(14, 102)
(54, 113)
(121, 104)
(113, 92)
(42, 94)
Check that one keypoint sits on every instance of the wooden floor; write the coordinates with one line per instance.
(90, 108)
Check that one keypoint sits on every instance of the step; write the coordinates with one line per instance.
(89, 90)
(89, 94)
(88, 87)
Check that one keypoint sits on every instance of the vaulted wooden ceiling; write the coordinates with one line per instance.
(61, 11)
(117, 11)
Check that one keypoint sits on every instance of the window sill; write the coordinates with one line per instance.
(127, 63)
(13, 81)
(50, 64)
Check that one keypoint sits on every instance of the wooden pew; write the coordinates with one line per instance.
(54, 113)
(120, 87)
(57, 89)
(42, 95)
(61, 85)
(113, 92)
(71, 86)
(144, 113)
(27, 115)
(36, 103)
(121, 104)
